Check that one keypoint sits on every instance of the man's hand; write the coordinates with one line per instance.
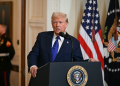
(93, 60)
(33, 71)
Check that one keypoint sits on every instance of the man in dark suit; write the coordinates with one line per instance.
(6, 54)
(42, 51)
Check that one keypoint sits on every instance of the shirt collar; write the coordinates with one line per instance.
(61, 38)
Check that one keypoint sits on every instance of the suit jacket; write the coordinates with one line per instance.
(41, 51)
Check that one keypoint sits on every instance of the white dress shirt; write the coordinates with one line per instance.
(60, 41)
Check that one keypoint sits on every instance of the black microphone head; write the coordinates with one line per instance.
(68, 36)
(62, 34)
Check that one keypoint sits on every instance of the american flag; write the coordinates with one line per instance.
(91, 21)
(111, 46)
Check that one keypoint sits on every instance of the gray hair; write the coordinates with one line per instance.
(59, 14)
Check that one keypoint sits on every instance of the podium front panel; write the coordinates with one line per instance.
(55, 74)
(58, 73)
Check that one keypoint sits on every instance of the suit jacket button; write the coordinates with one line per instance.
(2, 59)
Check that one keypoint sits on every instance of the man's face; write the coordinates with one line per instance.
(1, 29)
(59, 25)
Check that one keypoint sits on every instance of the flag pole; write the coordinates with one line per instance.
(93, 30)
(115, 36)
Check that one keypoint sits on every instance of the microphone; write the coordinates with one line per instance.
(67, 36)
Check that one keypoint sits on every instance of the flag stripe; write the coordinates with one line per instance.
(100, 42)
(89, 44)
(99, 49)
(99, 55)
(84, 46)
(85, 54)
(100, 34)
(87, 49)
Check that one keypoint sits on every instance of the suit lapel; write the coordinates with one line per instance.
(65, 45)
(49, 44)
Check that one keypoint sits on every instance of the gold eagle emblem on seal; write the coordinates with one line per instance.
(77, 76)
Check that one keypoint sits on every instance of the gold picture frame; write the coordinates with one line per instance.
(6, 16)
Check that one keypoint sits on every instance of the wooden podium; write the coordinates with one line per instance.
(56, 74)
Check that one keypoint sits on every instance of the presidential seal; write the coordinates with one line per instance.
(77, 76)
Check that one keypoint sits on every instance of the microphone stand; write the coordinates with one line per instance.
(72, 51)
(68, 37)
